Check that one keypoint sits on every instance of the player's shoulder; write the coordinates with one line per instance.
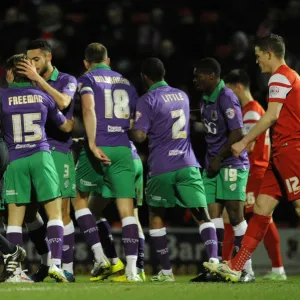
(63, 75)
(227, 96)
(252, 111)
(284, 76)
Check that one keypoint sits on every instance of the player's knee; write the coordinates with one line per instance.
(235, 220)
(297, 209)
(200, 215)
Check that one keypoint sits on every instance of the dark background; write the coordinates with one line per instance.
(178, 32)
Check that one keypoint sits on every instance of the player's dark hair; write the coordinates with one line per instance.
(154, 69)
(95, 53)
(11, 64)
(39, 44)
(238, 76)
(208, 65)
(273, 43)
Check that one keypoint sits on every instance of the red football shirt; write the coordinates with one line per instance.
(284, 87)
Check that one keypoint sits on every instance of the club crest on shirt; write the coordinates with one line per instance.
(230, 113)
(214, 115)
(137, 115)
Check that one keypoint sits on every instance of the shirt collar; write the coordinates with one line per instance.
(100, 66)
(214, 95)
(19, 84)
(157, 85)
(54, 75)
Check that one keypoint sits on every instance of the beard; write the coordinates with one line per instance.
(44, 70)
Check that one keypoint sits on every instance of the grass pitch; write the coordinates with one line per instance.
(181, 289)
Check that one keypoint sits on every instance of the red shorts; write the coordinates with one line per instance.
(282, 176)
(252, 190)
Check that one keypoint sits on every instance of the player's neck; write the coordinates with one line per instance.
(246, 98)
(49, 72)
(278, 63)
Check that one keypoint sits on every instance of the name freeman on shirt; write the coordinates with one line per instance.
(173, 97)
(26, 99)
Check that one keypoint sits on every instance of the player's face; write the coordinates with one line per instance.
(202, 81)
(40, 59)
(263, 60)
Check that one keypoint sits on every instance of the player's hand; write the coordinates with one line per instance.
(27, 68)
(214, 167)
(238, 148)
(9, 76)
(100, 155)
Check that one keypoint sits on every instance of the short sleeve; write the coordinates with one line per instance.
(143, 115)
(69, 86)
(250, 119)
(279, 87)
(232, 111)
(53, 112)
(85, 85)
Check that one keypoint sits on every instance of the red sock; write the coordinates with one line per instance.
(255, 233)
(228, 242)
(272, 244)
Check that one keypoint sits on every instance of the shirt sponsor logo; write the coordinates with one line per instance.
(176, 152)
(87, 183)
(210, 127)
(72, 87)
(273, 91)
(138, 115)
(11, 193)
(214, 115)
(230, 113)
(114, 129)
(25, 146)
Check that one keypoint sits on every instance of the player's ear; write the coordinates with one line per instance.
(108, 61)
(86, 64)
(49, 56)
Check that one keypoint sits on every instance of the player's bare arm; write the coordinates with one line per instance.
(90, 125)
(266, 121)
(137, 135)
(62, 100)
(215, 163)
(67, 126)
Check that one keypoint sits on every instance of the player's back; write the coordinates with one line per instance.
(115, 99)
(24, 114)
(284, 87)
(259, 157)
(169, 136)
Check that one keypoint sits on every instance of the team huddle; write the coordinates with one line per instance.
(231, 201)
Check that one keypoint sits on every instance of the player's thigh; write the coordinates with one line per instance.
(190, 188)
(17, 182)
(89, 173)
(119, 176)
(252, 191)
(210, 187)
(138, 181)
(44, 177)
(231, 184)
(65, 167)
(160, 191)
(97, 204)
